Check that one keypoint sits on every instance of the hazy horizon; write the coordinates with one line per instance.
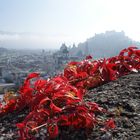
(49, 23)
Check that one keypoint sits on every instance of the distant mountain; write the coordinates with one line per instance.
(103, 45)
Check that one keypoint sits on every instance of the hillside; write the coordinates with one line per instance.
(104, 45)
(120, 97)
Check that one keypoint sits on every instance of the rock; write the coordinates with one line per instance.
(103, 100)
(3, 129)
(127, 123)
(131, 106)
(2, 138)
(106, 136)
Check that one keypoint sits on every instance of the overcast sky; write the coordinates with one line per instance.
(49, 23)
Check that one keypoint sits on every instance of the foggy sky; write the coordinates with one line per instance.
(48, 23)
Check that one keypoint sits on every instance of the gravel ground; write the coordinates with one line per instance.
(121, 98)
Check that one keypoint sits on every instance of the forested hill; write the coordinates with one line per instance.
(104, 45)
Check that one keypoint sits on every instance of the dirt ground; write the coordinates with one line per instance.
(121, 98)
